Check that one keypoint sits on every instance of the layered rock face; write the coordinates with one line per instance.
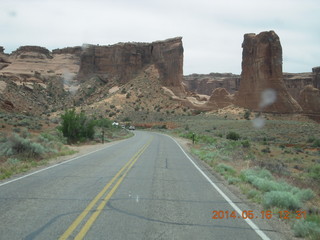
(295, 82)
(262, 70)
(121, 62)
(4, 59)
(316, 77)
(206, 83)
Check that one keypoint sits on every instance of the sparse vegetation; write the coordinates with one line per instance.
(269, 163)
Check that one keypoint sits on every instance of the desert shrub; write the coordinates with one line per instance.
(314, 172)
(233, 180)
(311, 139)
(123, 91)
(316, 143)
(304, 228)
(233, 136)
(17, 145)
(103, 122)
(16, 129)
(247, 114)
(252, 193)
(24, 123)
(206, 139)
(250, 174)
(281, 199)
(13, 161)
(305, 194)
(264, 181)
(225, 169)
(245, 144)
(127, 119)
(266, 150)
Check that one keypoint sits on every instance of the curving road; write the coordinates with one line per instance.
(145, 187)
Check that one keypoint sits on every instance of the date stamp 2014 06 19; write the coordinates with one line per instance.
(249, 214)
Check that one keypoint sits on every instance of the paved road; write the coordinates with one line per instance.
(142, 188)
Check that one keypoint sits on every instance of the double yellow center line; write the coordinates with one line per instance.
(119, 177)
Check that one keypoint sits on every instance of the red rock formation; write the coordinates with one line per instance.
(262, 70)
(316, 77)
(4, 59)
(309, 99)
(206, 83)
(123, 61)
(221, 98)
(295, 82)
(32, 52)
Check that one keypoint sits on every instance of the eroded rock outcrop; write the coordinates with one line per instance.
(123, 61)
(221, 98)
(309, 99)
(295, 82)
(4, 59)
(31, 52)
(316, 77)
(262, 70)
(206, 83)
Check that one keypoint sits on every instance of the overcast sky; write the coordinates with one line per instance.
(212, 30)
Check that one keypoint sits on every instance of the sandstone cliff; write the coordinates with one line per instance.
(4, 59)
(206, 83)
(36, 80)
(316, 77)
(122, 62)
(295, 82)
(262, 70)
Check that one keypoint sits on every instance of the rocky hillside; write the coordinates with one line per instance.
(132, 80)
(37, 81)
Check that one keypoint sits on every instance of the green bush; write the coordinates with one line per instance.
(316, 143)
(223, 168)
(314, 172)
(76, 127)
(304, 229)
(233, 180)
(233, 136)
(281, 199)
(305, 194)
(252, 193)
(245, 144)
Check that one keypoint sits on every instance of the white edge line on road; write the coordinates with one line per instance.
(55, 165)
(235, 207)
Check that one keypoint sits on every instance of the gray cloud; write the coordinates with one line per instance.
(212, 31)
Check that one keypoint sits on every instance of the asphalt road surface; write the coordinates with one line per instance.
(145, 187)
